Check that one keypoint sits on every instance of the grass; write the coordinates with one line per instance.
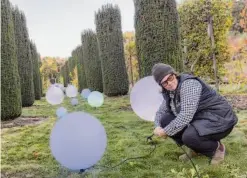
(233, 88)
(26, 153)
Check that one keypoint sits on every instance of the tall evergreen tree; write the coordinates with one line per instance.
(65, 73)
(25, 65)
(40, 79)
(91, 60)
(10, 81)
(111, 50)
(78, 55)
(70, 64)
(157, 34)
(36, 71)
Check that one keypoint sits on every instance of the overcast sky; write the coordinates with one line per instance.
(56, 25)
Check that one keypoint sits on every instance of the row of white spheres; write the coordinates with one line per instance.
(74, 143)
(55, 95)
(145, 94)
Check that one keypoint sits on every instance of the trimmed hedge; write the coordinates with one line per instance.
(10, 80)
(91, 61)
(25, 65)
(78, 55)
(157, 34)
(36, 71)
(111, 50)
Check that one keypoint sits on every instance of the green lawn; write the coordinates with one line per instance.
(26, 153)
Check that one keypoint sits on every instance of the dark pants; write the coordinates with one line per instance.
(189, 136)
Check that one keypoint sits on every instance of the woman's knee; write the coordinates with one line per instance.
(190, 137)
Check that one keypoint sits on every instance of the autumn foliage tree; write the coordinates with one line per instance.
(131, 57)
(194, 28)
(243, 19)
(239, 16)
(50, 68)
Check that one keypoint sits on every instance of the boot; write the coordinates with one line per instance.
(190, 153)
(219, 154)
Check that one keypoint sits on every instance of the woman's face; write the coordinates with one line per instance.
(170, 82)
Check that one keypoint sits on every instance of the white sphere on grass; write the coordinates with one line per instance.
(61, 112)
(146, 98)
(95, 99)
(71, 91)
(85, 93)
(74, 101)
(54, 95)
(78, 141)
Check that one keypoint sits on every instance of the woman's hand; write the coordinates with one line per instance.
(158, 131)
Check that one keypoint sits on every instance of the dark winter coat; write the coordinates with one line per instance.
(214, 114)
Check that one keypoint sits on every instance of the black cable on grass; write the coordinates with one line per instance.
(198, 175)
(131, 158)
(149, 138)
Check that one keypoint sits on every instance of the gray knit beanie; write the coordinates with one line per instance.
(160, 70)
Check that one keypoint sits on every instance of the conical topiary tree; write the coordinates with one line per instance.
(10, 81)
(157, 34)
(91, 60)
(78, 55)
(36, 71)
(25, 65)
(71, 65)
(111, 50)
(40, 80)
(65, 74)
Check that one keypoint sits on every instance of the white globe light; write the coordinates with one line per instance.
(74, 101)
(78, 141)
(61, 112)
(145, 98)
(54, 95)
(95, 99)
(85, 93)
(71, 91)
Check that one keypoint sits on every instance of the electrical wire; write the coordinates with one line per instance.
(141, 157)
(131, 158)
(198, 175)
